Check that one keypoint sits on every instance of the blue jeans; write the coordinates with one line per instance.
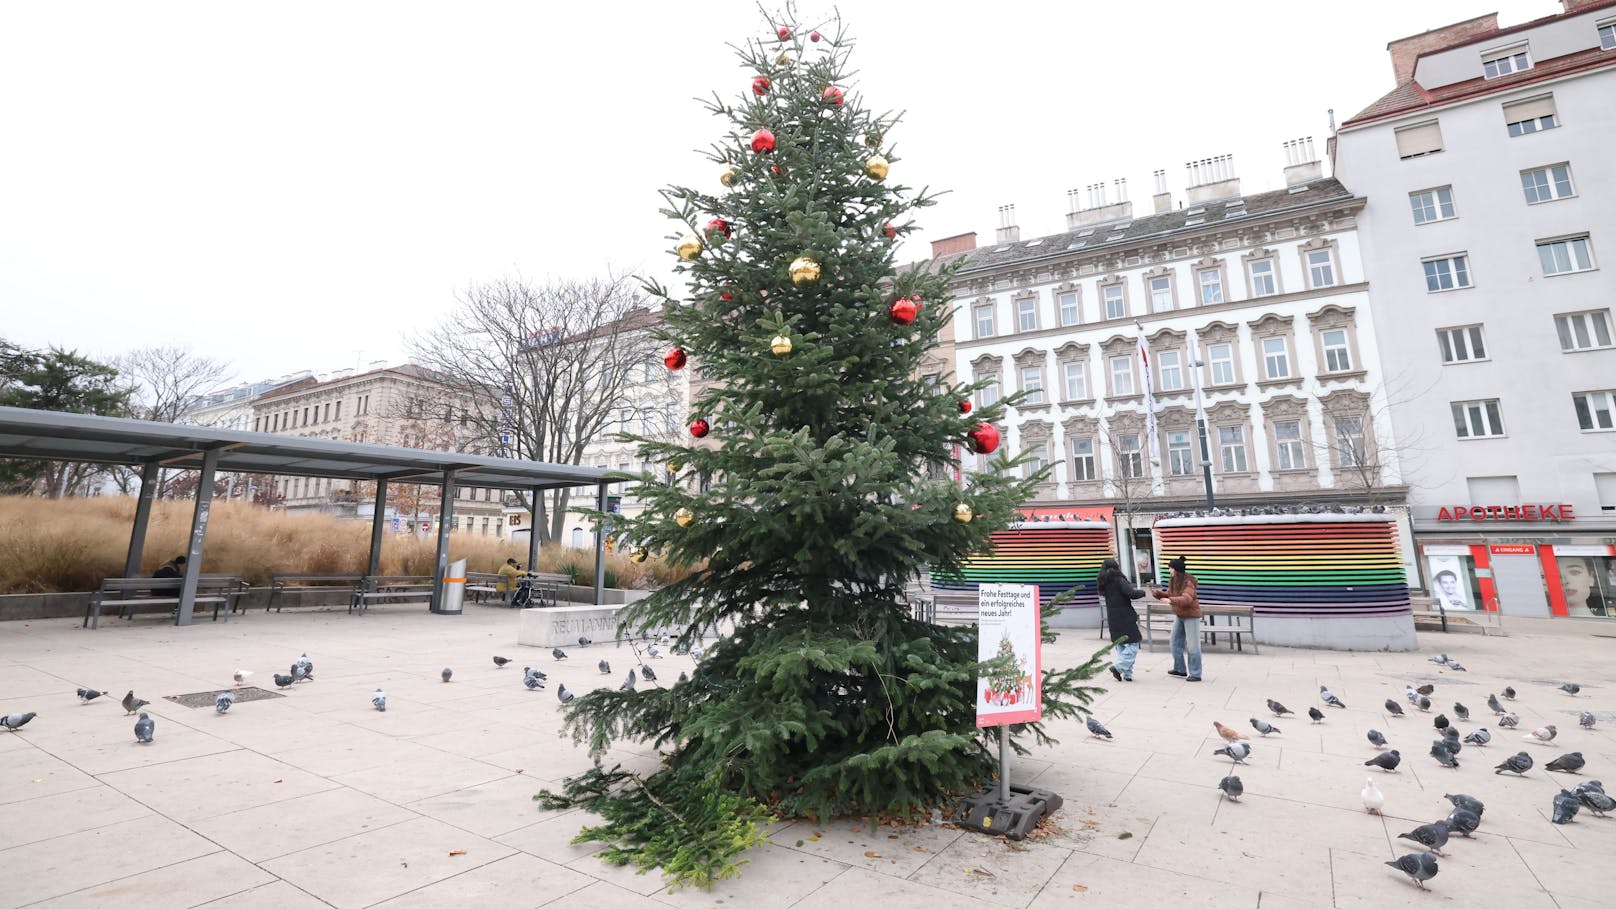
(1187, 633)
(1126, 654)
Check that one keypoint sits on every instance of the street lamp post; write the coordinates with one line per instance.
(1200, 422)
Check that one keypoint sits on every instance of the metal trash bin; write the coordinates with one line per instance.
(454, 589)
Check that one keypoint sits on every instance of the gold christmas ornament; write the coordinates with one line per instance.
(781, 345)
(784, 59)
(804, 271)
(640, 554)
(674, 467)
(877, 167)
(963, 513)
(728, 176)
(689, 247)
(683, 517)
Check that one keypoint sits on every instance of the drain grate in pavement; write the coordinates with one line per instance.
(208, 698)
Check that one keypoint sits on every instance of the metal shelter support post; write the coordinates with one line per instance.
(445, 515)
(533, 532)
(1004, 764)
(377, 521)
(600, 546)
(199, 534)
(1200, 422)
(143, 507)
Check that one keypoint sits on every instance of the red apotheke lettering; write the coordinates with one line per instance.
(1561, 512)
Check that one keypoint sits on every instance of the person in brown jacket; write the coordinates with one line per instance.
(1180, 595)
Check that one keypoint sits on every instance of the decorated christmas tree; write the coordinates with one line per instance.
(825, 487)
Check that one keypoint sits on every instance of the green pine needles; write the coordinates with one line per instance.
(822, 493)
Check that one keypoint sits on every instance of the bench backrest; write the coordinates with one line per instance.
(280, 580)
(208, 582)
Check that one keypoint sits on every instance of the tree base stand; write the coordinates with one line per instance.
(1013, 817)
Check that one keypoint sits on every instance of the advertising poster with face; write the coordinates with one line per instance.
(1588, 581)
(1450, 581)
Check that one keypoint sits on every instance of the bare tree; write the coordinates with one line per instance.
(1129, 483)
(543, 371)
(169, 381)
(1361, 448)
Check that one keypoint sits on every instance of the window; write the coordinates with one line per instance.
(1446, 273)
(1161, 294)
(1530, 116)
(988, 395)
(1220, 363)
(1067, 302)
(1262, 278)
(1560, 257)
(984, 320)
(1607, 36)
(1077, 380)
(1432, 204)
(1419, 139)
(1337, 358)
(1320, 268)
(1276, 358)
(1595, 409)
(1288, 451)
(1351, 448)
(1461, 345)
(1502, 63)
(1545, 184)
(1477, 419)
(1032, 382)
(1116, 305)
(1170, 366)
(339, 410)
(1121, 376)
(1211, 281)
(1130, 459)
(1232, 447)
(1027, 314)
(1082, 460)
(1605, 486)
(1583, 330)
(1180, 454)
(1039, 460)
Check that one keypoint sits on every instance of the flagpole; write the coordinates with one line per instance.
(1150, 396)
(1200, 417)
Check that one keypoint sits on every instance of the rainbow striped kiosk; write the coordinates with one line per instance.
(1312, 580)
(1055, 555)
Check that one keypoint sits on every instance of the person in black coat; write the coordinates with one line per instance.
(1119, 593)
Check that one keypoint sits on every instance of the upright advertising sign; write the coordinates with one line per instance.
(1009, 627)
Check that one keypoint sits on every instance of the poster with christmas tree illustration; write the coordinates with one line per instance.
(1010, 648)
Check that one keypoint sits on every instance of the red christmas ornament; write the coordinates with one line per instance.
(760, 85)
(718, 226)
(699, 429)
(726, 296)
(778, 172)
(814, 37)
(904, 311)
(965, 407)
(674, 358)
(762, 142)
(890, 231)
(984, 438)
(784, 33)
(832, 95)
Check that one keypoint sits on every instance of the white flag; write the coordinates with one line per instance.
(1150, 400)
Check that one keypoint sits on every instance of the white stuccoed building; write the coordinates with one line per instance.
(1490, 174)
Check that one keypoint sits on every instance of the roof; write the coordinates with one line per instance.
(1520, 27)
(116, 440)
(1205, 215)
(305, 384)
(1410, 96)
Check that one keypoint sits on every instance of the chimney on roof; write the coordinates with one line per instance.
(1301, 163)
(1008, 231)
(1211, 179)
(1100, 208)
(1406, 51)
(948, 246)
(1574, 6)
(1163, 200)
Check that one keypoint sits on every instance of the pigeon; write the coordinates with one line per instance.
(1377, 738)
(1386, 760)
(1451, 735)
(1425, 689)
(604, 667)
(683, 678)
(1373, 798)
(1316, 714)
(1586, 720)
(1440, 659)
(1229, 735)
(1493, 705)
(1232, 787)
(1570, 762)
(563, 695)
(499, 662)
(1419, 867)
(1566, 805)
(1542, 734)
(1479, 737)
(1509, 693)
(1444, 756)
(145, 729)
(86, 695)
(283, 681)
(558, 653)
(378, 699)
(1587, 785)
(1097, 729)
(1329, 697)
(1463, 822)
(1595, 800)
(1456, 666)
(242, 675)
(1277, 708)
(647, 673)
(1235, 751)
(1468, 802)
(1509, 721)
(1571, 688)
(628, 683)
(695, 654)
(224, 701)
(652, 652)
(1424, 703)
(1412, 695)
(1394, 708)
(132, 704)
(1432, 836)
(15, 721)
(536, 673)
(1441, 721)
(533, 682)
(1263, 726)
(1518, 763)
(447, 672)
(300, 673)
(1461, 711)
(584, 641)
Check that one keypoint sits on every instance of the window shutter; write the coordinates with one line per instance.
(1530, 109)
(1419, 140)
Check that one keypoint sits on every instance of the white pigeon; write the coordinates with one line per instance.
(1543, 734)
(1373, 799)
(378, 699)
(242, 675)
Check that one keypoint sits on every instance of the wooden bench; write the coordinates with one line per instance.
(1241, 623)
(391, 589)
(221, 591)
(295, 584)
(480, 585)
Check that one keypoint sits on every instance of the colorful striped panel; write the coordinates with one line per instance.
(1055, 556)
(1313, 566)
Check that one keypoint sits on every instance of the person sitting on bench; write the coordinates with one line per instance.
(508, 573)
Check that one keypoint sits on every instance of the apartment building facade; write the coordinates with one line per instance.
(1490, 181)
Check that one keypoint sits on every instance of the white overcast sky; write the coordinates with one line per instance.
(298, 185)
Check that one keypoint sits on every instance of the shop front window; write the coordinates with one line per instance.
(1588, 582)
